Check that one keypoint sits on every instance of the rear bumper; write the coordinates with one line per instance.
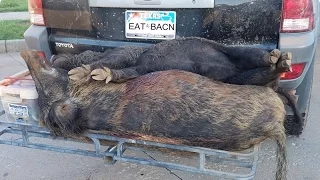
(303, 48)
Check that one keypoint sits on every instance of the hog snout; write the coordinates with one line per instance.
(29, 54)
(34, 61)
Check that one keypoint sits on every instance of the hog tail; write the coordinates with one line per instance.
(281, 173)
(293, 105)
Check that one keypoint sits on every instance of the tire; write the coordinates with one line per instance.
(304, 92)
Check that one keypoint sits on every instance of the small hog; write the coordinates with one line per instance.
(167, 106)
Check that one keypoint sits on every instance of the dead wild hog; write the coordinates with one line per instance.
(167, 106)
(235, 65)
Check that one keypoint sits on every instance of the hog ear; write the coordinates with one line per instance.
(63, 118)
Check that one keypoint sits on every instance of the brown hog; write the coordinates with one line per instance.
(167, 106)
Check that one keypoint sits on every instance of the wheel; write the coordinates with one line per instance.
(304, 92)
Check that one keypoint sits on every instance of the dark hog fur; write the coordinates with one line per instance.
(197, 55)
(229, 64)
(76, 60)
(167, 106)
(126, 54)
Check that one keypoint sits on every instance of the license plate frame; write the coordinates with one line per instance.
(141, 24)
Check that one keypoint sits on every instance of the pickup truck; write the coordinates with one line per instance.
(73, 26)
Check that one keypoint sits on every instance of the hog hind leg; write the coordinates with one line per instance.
(284, 63)
(114, 75)
(265, 76)
(249, 58)
(258, 76)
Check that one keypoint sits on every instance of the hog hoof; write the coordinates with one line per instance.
(102, 74)
(79, 72)
(284, 63)
(274, 56)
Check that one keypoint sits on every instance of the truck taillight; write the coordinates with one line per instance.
(36, 12)
(297, 16)
(297, 70)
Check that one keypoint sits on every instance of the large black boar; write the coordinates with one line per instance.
(167, 106)
(235, 65)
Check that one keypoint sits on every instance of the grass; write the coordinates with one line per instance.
(13, 29)
(13, 5)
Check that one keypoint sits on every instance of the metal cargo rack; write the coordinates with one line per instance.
(204, 156)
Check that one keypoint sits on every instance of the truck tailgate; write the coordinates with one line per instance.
(83, 23)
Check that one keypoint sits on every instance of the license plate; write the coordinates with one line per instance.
(18, 110)
(150, 24)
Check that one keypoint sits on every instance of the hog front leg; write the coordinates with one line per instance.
(101, 69)
(120, 58)
(69, 61)
(114, 75)
(84, 71)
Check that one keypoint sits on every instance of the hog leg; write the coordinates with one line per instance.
(249, 58)
(120, 58)
(69, 61)
(97, 68)
(258, 76)
(265, 76)
(114, 75)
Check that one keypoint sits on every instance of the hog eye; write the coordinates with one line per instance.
(64, 107)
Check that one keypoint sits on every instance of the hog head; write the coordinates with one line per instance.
(51, 83)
